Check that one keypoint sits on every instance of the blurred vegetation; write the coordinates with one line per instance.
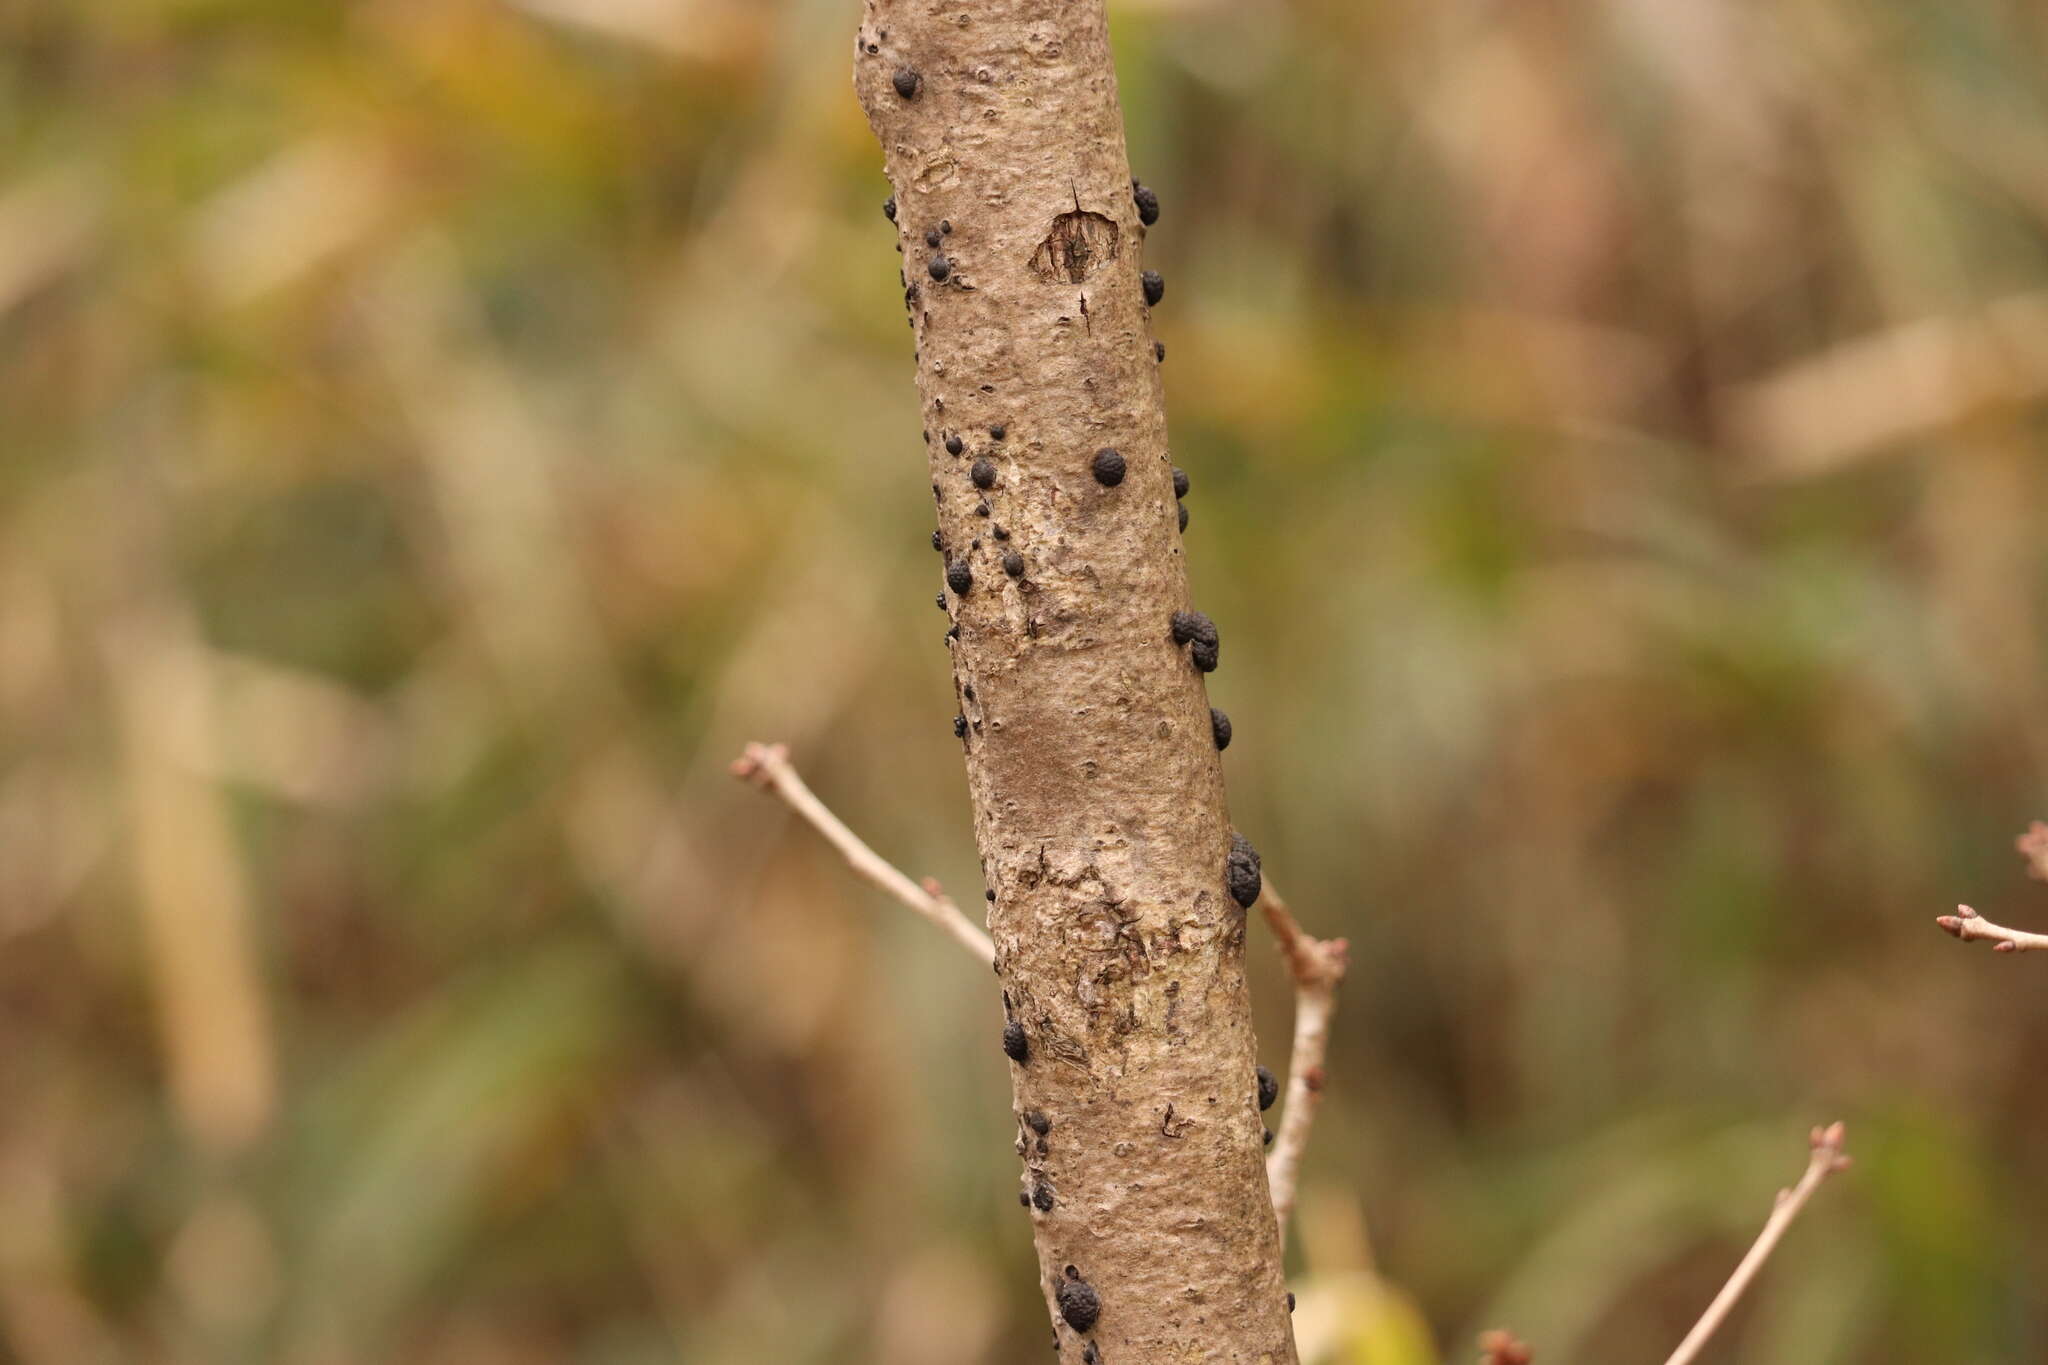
(438, 432)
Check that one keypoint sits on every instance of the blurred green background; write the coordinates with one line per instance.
(436, 434)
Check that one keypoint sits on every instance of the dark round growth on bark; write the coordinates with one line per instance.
(1147, 201)
(1159, 351)
(1267, 1140)
(1183, 516)
(1016, 1046)
(1078, 1302)
(1219, 726)
(939, 267)
(1269, 1089)
(1195, 626)
(932, 238)
(889, 208)
(1037, 1122)
(1241, 871)
(938, 542)
(954, 445)
(959, 727)
(999, 431)
(1042, 1197)
(1013, 564)
(1155, 286)
(907, 83)
(1204, 657)
(1180, 482)
(1108, 466)
(959, 577)
(1001, 534)
(983, 473)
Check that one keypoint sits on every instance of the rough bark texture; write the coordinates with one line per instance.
(1091, 756)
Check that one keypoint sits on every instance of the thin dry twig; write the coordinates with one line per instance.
(1825, 1160)
(1317, 965)
(1967, 924)
(768, 767)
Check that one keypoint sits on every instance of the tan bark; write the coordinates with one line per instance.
(1096, 781)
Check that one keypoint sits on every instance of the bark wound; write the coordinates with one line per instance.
(1079, 244)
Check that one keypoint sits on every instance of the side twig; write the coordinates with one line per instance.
(1826, 1159)
(1967, 924)
(767, 766)
(1317, 965)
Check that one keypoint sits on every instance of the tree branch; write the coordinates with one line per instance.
(1967, 924)
(1317, 966)
(1826, 1159)
(767, 766)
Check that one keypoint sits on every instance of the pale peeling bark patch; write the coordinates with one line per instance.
(1086, 729)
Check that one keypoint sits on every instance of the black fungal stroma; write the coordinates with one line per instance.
(1013, 564)
(1219, 726)
(1241, 871)
(1180, 482)
(983, 473)
(1078, 1302)
(1108, 466)
(1146, 200)
(889, 208)
(959, 577)
(939, 267)
(1037, 1122)
(1269, 1088)
(1016, 1046)
(954, 445)
(907, 83)
(1155, 286)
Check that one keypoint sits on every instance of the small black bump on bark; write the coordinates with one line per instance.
(1016, 1046)
(959, 577)
(1042, 1197)
(1219, 726)
(1078, 1302)
(1037, 1122)
(1013, 564)
(1269, 1089)
(1195, 626)
(1159, 351)
(983, 473)
(959, 727)
(1108, 466)
(1155, 286)
(939, 267)
(1241, 871)
(1147, 201)
(1183, 516)
(907, 83)
(1180, 482)
(954, 445)
(998, 431)
(931, 238)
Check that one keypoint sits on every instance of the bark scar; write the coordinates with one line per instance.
(1079, 244)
